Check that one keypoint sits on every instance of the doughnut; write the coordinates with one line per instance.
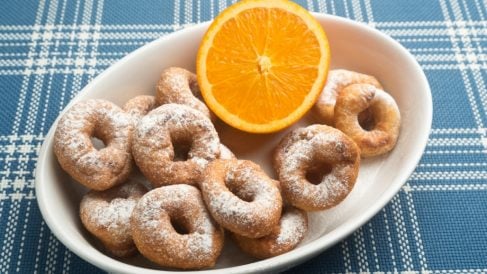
(284, 237)
(226, 153)
(106, 215)
(180, 86)
(337, 80)
(241, 197)
(140, 105)
(173, 143)
(96, 169)
(171, 227)
(382, 136)
(302, 159)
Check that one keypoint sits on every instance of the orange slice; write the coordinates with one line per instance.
(262, 64)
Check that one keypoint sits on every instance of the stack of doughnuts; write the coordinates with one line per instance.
(357, 104)
(197, 189)
(317, 166)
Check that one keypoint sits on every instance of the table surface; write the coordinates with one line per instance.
(50, 49)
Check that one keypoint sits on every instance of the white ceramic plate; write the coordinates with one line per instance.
(354, 46)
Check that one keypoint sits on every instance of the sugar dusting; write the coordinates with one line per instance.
(139, 106)
(178, 85)
(78, 125)
(154, 211)
(111, 209)
(229, 206)
(226, 153)
(293, 227)
(153, 139)
(340, 78)
(336, 78)
(173, 117)
(247, 198)
(115, 217)
(299, 150)
(283, 237)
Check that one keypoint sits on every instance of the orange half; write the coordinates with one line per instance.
(262, 64)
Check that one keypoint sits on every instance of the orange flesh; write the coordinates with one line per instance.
(257, 72)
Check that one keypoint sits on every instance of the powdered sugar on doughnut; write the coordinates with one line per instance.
(115, 216)
(156, 237)
(228, 205)
(302, 151)
(226, 153)
(380, 136)
(139, 106)
(324, 108)
(96, 169)
(201, 240)
(175, 115)
(112, 209)
(293, 227)
(340, 78)
(160, 132)
(180, 86)
(313, 146)
(76, 118)
(282, 238)
(241, 197)
(106, 214)
(336, 78)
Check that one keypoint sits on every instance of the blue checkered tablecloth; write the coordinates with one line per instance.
(50, 49)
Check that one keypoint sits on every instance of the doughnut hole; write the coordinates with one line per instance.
(366, 119)
(180, 225)
(181, 147)
(98, 144)
(317, 172)
(99, 138)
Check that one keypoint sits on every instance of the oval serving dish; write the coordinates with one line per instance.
(354, 46)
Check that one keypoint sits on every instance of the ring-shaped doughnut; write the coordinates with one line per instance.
(96, 169)
(171, 227)
(315, 148)
(337, 80)
(180, 86)
(106, 215)
(163, 133)
(382, 136)
(241, 197)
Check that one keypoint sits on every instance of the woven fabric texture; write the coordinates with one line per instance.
(437, 223)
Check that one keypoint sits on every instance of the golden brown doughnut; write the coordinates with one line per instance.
(171, 227)
(308, 152)
(284, 237)
(180, 86)
(165, 133)
(140, 105)
(96, 169)
(337, 80)
(241, 197)
(382, 137)
(106, 215)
